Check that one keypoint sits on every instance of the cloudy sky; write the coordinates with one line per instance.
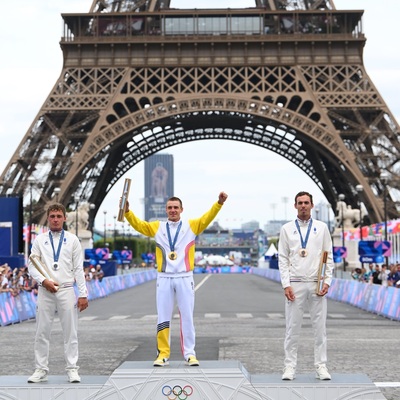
(257, 181)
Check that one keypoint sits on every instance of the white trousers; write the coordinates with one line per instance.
(294, 310)
(64, 302)
(181, 289)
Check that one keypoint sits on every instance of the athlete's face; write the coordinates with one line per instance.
(55, 220)
(174, 210)
(304, 206)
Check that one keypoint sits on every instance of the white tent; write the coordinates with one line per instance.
(215, 260)
(272, 251)
(263, 262)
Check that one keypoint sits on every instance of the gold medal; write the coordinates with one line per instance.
(303, 252)
(173, 255)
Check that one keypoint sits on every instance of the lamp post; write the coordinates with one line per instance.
(285, 201)
(360, 189)
(57, 191)
(273, 206)
(105, 227)
(341, 198)
(329, 217)
(91, 207)
(384, 178)
(115, 230)
(76, 213)
(31, 181)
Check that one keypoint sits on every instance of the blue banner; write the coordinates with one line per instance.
(373, 248)
(339, 253)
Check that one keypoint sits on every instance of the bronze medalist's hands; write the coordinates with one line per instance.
(324, 290)
(83, 303)
(222, 198)
(50, 286)
(289, 293)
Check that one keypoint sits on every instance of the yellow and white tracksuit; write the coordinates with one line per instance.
(64, 302)
(175, 277)
(301, 274)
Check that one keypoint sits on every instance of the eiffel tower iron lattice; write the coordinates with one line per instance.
(139, 77)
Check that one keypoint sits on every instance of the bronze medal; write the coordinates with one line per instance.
(173, 256)
(303, 252)
(55, 266)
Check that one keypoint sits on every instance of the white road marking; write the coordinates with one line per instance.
(244, 315)
(387, 384)
(153, 317)
(202, 282)
(120, 317)
(149, 317)
(275, 315)
(212, 315)
(333, 315)
(87, 318)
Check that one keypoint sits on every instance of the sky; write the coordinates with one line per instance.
(260, 184)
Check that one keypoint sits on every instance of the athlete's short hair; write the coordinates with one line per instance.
(56, 207)
(303, 194)
(174, 198)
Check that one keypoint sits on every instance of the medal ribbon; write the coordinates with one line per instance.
(304, 242)
(173, 243)
(56, 256)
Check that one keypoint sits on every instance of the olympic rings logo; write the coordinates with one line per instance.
(177, 392)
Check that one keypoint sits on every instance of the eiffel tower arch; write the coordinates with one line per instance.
(139, 77)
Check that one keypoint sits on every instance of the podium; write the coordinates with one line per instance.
(213, 380)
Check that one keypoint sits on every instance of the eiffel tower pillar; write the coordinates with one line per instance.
(139, 77)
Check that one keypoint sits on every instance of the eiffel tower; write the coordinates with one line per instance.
(139, 77)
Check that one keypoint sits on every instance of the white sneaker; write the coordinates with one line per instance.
(322, 373)
(288, 373)
(73, 375)
(40, 375)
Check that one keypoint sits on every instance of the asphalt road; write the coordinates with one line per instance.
(237, 317)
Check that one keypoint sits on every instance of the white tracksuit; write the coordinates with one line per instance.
(175, 277)
(301, 274)
(64, 301)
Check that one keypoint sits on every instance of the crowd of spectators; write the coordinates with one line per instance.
(378, 274)
(15, 280)
(94, 273)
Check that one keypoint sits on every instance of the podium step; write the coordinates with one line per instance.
(213, 380)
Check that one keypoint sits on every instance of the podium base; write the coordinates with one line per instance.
(213, 380)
